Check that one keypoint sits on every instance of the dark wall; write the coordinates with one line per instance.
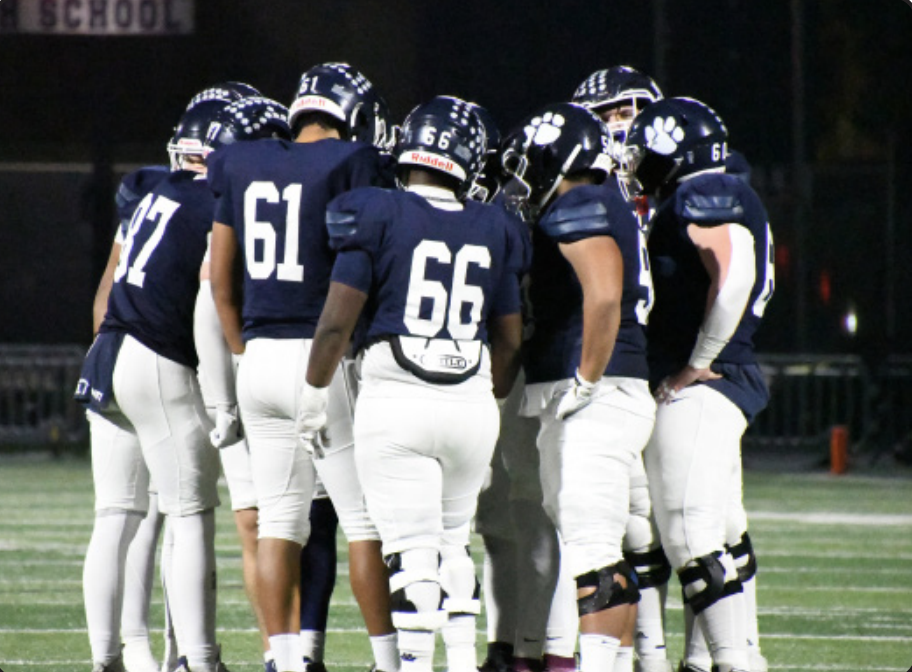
(110, 100)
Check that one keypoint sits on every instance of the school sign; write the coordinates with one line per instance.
(97, 17)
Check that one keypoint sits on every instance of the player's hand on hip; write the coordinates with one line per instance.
(668, 389)
(227, 427)
(577, 397)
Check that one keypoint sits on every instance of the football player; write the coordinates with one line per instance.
(437, 277)
(738, 541)
(139, 382)
(252, 117)
(585, 363)
(521, 545)
(710, 249)
(139, 573)
(272, 198)
(617, 95)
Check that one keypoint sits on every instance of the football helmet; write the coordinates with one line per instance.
(615, 87)
(247, 119)
(487, 184)
(669, 141)
(224, 91)
(444, 134)
(340, 91)
(558, 140)
(190, 134)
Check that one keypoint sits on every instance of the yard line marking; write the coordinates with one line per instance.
(829, 518)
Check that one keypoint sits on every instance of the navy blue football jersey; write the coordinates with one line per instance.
(157, 278)
(554, 350)
(429, 272)
(133, 188)
(682, 282)
(274, 194)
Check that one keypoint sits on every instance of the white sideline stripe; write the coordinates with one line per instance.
(824, 518)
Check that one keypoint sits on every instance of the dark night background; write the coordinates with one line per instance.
(836, 178)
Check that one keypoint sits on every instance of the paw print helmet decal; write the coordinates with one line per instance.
(340, 91)
(558, 140)
(669, 141)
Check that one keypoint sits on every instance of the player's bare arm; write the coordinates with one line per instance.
(337, 322)
(505, 333)
(100, 304)
(727, 253)
(225, 278)
(599, 267)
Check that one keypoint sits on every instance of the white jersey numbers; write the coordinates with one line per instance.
(420, 288)
(260, 237)
(158, 210)
(769, 276)
(644, 305)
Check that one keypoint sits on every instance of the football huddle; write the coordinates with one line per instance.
(542, 334)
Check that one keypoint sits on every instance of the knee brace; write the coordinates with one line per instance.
(608, 591)
(416, 597)
(460, 585)
(744, 557)
(704, 582)
(652, 567)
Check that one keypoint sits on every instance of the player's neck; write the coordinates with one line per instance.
(315, 133)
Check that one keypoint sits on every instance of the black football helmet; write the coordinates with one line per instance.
(558, 140)
(190, 134)
(340, 91)
(225, 91)
(444, 134)
(487, 184)
(669, 141)
(614, 87)
(248, 119)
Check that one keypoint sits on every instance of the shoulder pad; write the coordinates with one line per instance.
(576, 220)
(341, 223)
(346, 213)
(705, 209)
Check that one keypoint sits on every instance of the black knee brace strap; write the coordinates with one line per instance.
(652, 567)
(709, 570)
(608, 592)
(748, 570)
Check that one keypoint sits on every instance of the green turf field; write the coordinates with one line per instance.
(835, 582)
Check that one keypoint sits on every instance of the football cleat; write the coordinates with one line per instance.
(116, 665)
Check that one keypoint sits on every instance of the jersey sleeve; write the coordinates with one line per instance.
(578, 214)
(711, 200)
(219, 183)
(367, 167)
(508, 297)
(133, 188)
(355, 222)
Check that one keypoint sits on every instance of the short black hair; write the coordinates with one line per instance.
(321, 119)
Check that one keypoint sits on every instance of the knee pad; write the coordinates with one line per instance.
(608, 591)
(705, 581)
(745, 559)
(652, 567)
(416, 598)
(460, 585)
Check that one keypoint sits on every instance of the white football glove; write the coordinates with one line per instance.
(577, 397)
(226, 432)
(311, 418)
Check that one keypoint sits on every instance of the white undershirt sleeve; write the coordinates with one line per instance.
(725, 314)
